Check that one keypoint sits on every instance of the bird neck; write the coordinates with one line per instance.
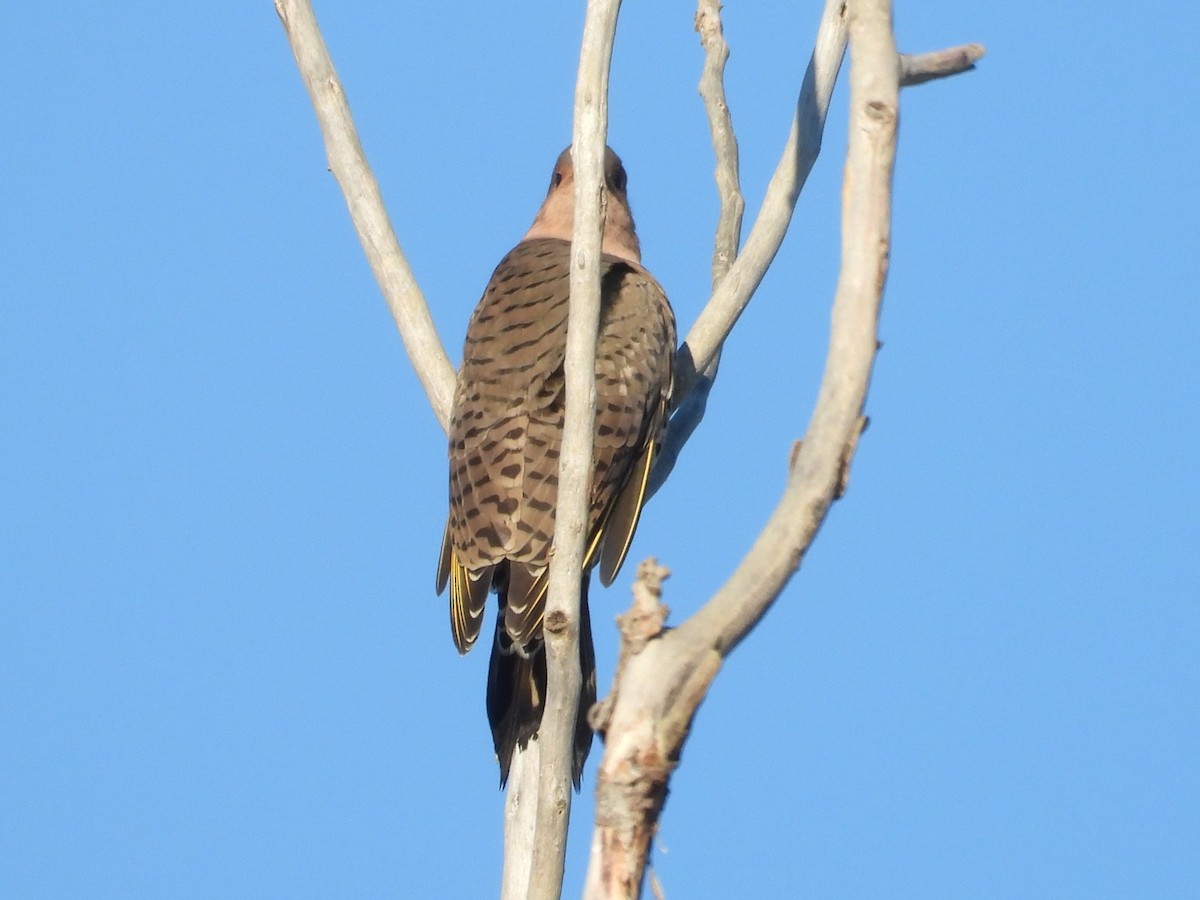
(556, 219)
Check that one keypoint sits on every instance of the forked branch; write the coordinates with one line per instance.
(663, 676)
(733, 287)
(700, 353)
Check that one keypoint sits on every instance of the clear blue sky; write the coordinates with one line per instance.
(223, 670)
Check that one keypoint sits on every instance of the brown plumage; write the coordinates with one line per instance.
(505, 434)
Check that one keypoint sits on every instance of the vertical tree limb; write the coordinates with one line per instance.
(692, 402)
(561, 623)
(728, 234)
(520, 822)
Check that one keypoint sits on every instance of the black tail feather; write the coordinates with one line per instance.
(516, 692)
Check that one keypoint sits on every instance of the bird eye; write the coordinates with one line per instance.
(618, 181)
(556, 179)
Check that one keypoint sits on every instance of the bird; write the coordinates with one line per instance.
(506, 432)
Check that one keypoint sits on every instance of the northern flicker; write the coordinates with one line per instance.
(505, 434)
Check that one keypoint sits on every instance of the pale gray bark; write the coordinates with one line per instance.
(662, 676)
(349, 166)
(700, 352)
(556, 736)
(922, 67)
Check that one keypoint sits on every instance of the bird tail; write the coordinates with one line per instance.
(516, 692)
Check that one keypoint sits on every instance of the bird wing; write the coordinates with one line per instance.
(506, 431)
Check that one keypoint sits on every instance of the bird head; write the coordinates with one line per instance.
(556, 218)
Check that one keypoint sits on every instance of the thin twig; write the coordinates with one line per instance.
(799, 153)
(695, 362)
(349, 166)
(691, 404)
(724, 140)
(922, 67)
(656, 887)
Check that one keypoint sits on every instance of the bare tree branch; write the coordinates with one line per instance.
(819, 464)
(701, 353)
(642, 739)
(555, 741)
(690, 408)
(662, 677)
(770, 226)
(353, 173)
(922, 67)
(520, 821)
(695, 363)
(724, 140)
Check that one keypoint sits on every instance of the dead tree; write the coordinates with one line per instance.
(663, 674)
